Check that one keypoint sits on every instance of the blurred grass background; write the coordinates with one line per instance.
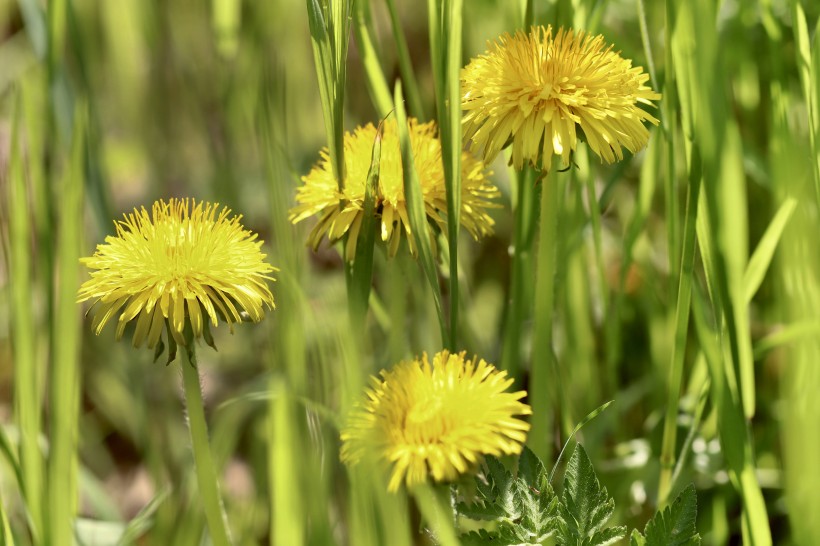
(106, 106)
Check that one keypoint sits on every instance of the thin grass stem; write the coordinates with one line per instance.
(63, 464)
(28, 395)
(408, 75)
(206, 475)
(676, 364)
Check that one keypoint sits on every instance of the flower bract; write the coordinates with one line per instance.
(533, 91)
(435, 420)
(184, 263)
(341, 212)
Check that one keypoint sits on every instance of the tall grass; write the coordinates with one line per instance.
(682, 283)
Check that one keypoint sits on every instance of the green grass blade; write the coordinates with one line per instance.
(449, 116)
(790, 333)
(144, 519)
(408, 75)
(363, 263)
(65, 372)
(763, 254)
(326, 69)
(6, 538)
(589, 417)
(808, 67)
(27, 388)
(676, 364)
(416, 212)
(376, 81)
(226, 21)
(519, 306)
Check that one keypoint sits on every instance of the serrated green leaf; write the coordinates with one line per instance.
(531, 469)
(636, 539)
(585, 506)
(674, 526)
(524, 506)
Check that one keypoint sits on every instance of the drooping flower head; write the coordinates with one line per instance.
(185, 263)
(343, 212)
(435, 420)
(532, 90)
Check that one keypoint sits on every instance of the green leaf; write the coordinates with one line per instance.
(143, 521)
(525, 506)
(585, 506)
(674, 526)
(762, 257)
(416, 213)
(361, 244)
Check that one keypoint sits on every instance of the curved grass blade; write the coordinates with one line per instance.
(590, 416)
(415, 211)
(365, 240)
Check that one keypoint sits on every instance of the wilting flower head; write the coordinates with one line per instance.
(165, 268)
(532, 90)
(342, 212)
(435, 420)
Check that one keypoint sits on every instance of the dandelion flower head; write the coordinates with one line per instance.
(435, 420)
(341, 212)
(186, 262)
(531, 90)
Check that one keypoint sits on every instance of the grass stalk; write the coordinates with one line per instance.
(376, 81)
(519, 303)
(449, 116)
(408, 75)
(287, 353)
(416, 213)
(63, 491)
(206, 474)
(595, 217)
(27, 388)
(676, 364)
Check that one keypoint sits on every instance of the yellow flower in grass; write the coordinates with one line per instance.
(435, 420)
(186, 262)
(532, 91)
(343, 212)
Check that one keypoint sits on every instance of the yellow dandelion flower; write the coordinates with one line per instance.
(435, 420)
(164, 269)
(531, 91)
(342, 212)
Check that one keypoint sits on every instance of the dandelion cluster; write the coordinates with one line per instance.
(165, 268)
(531, 90)
(341, 212)
(436, 420)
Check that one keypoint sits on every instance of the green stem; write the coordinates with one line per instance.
(544, 362)
(521, 272)
(203, 458)
(435, 507)
(681, 329)
(595, 216)
(408, 76)
(27, 383)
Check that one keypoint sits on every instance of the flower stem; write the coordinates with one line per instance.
(434, 505)
(203, 459)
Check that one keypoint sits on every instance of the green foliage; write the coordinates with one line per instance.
(525, 506)
(525, 510)
(674, 526)
(585, 506)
